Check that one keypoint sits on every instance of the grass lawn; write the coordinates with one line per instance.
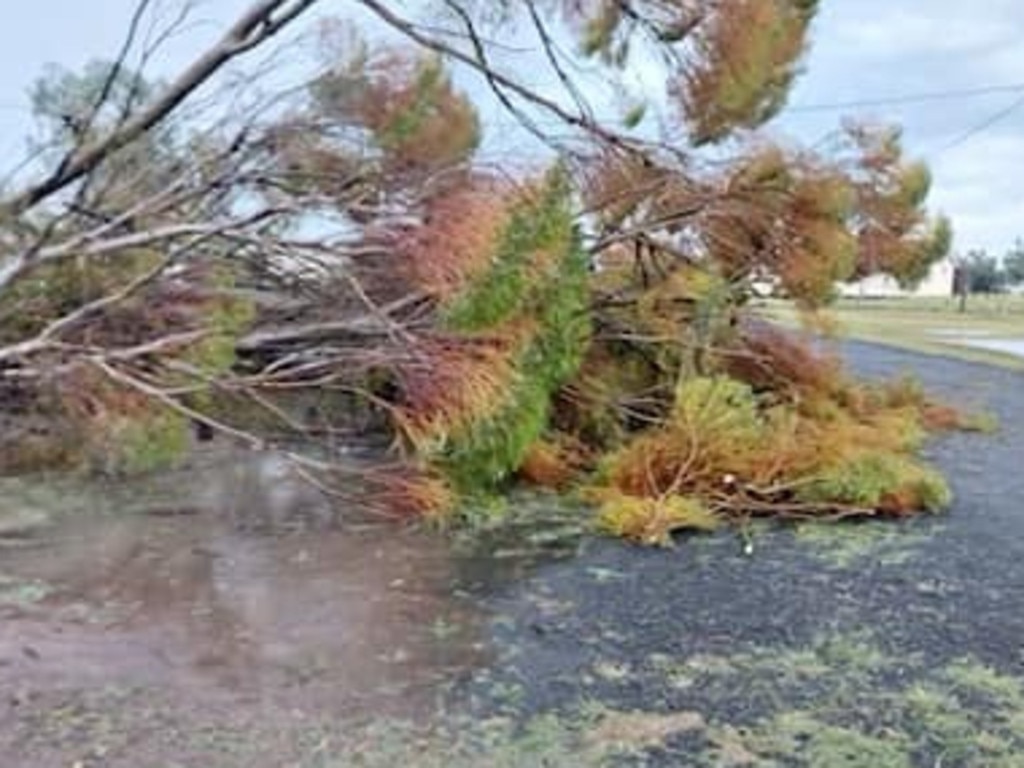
(926, 325)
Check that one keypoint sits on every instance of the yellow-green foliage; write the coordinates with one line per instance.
(225, 320)
(740, 453)
(845, 701)
(607, 377)
(433, 115)
(690, 310)
(214, 354)
(137, 435)
(653, 520)
(885, 481)
(714, 429)
(152, 440)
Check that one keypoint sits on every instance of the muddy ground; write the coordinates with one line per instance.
(157, 634)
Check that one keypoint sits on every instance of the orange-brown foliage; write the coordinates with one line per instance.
(409, 105)
(743, 60)
(448, 385)
(554, 464)
(615, 184)
(457, 241)
(784, 215)
(411, 493)
(91, 398)
(771, 359)
(895, 234)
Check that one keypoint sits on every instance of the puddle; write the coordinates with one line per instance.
(980, 339)
(157, 586)
(1009, 346)
(966, 333)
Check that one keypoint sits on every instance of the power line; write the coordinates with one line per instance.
(887, 101)
(964, 93)
(910, 98)
(982, 126)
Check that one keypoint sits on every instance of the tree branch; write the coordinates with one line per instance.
(263, 20)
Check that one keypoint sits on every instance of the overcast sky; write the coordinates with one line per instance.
(866, 49)
(863, 50)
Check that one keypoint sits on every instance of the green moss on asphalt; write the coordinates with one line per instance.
(838, 705)
(856, 544)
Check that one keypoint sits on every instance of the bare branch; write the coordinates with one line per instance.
(262, 21)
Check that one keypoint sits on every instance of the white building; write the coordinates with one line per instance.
(939, 282)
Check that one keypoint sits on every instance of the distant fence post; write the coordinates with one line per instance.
(961, 284)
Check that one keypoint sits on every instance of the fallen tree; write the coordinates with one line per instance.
(585, 325)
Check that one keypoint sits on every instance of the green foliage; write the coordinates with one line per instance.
(52, 290)
(718, 405)
(407, 103)
(712, 431)
(821, 745)
(599, 33)
(634, 116)
(61, 93)
(896, 235)
(97, 424)
(388, 138)
(157, 437)
(541, 225)
(226, 318)
(984, 274)
(68, 103)
(854, 704)
(608, 376)
(544, 741)
(548, 292)
(495, 447)
(914, 183)
(144, 442)
(804, 438)
(871, 480)
(1013, 263)
(855, 546)
(432, 96)
(76, 107)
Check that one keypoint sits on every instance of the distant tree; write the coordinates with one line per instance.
(75, 108)
(1013, 263)
(984, 274)
(72, 104)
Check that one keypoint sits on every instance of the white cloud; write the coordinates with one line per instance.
(978, 184)
(898, 32)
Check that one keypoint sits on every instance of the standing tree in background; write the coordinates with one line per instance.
(984, 273)
(74, 108)
(1013, 263)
